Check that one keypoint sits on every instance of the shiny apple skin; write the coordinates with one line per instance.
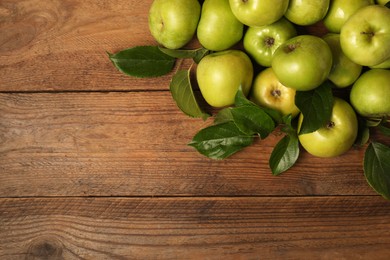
(335, 138)
(365, 37)
(218, 28)
(370, 94)
(173, 23)
(339, 12)
(258, 12)
(220, 74)
(306, 12)
(344, 72)
(267, 91)
(303, 62)
(261, 42)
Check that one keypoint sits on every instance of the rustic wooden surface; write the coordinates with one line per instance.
(95, 164)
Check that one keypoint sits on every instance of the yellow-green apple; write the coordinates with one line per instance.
(383, 65)
(344, 72)
(258, 12)
(382, 2)
(334, 138)
(302, 62)
(370, 94)
(365, 36)
(261, 42)
(306, 12)
(339, 12)
(267, 91)
(173, 23)
(218, 28)
(220, 74)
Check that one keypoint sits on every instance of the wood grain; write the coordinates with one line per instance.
(71, 144)
(195, 228)
(95, 164)
(60, 45)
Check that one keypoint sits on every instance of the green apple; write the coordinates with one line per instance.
(382, 2)
(173, 23)
(339, 12)
(383, 65)
(337, 136)
(306, 12)
(365, 36)
(302, 62)
(267, 91)
(258, 12)
(218, 28)
(344, 72)
(261, 42)
(370, 94)
(220, 74)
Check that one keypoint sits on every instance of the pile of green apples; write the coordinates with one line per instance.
(243, 35)
(260, 69)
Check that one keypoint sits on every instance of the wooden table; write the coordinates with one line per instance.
(95, 164)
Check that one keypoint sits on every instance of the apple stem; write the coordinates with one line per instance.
(178, 65)
(291, 47)
(330, 124)
(276, 93)
(370, 34)
(270, 41)
(162, 24)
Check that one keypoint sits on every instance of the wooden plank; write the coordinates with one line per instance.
(102, 144)
(195, 228)
(61, 45)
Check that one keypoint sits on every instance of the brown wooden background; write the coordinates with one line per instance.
(95, 164)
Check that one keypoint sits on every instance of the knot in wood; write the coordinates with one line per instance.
(45, 248)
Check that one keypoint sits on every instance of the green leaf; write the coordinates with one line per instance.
(200, 54)
(253, 120)
(241, 100)
(220, 141)
(182, 93)
(377, 168)
(143, 61)
(196, 54)
(316, 106)
(223, 116)
(287, 125)
(363, 132)
(384, 129)
(274, 114)
(373, 122)
(284, 154)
